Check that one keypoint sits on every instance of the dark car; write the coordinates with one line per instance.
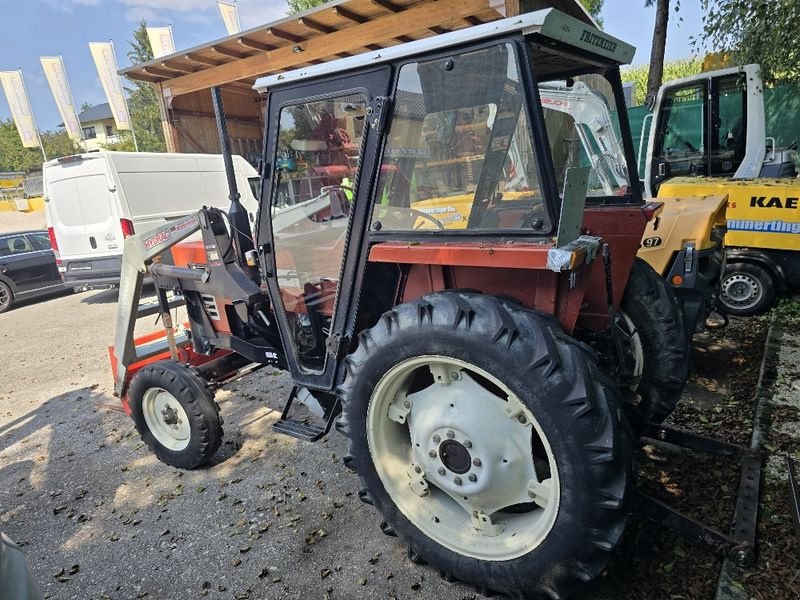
(27, 267)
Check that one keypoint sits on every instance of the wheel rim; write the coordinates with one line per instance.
(632, 347)
(5, 297)
(166, 419)
(741, 290)
(463, 458)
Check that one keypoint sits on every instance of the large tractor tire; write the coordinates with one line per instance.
(655, 341)
(175, 413)
(489, 442)
(746, 290)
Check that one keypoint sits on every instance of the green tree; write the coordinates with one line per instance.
(673, 69)
(594, 8)
(15, 157)
(142, 100)
(755, 31)
(296, 6)
(655, 75)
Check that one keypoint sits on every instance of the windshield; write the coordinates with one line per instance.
(583, 130)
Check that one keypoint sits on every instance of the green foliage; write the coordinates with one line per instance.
(296, 6)
(142, 100)
(124, 145)
(15, 157)
(673, 69)
(755, 31)
(594, 7)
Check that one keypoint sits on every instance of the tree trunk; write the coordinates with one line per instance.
(657, 52)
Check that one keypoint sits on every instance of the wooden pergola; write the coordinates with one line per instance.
(335, 30)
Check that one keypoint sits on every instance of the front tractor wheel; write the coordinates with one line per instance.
(489, 442)
(175, 413)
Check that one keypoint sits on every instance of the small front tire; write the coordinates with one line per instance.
(175, 413)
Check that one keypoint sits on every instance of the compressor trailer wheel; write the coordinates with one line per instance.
(175, 413)
(489, 442)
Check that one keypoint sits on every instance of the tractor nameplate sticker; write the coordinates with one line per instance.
(155, 240)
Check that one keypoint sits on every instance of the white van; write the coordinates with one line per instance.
(94, 201)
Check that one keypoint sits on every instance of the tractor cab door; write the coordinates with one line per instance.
(322, 144)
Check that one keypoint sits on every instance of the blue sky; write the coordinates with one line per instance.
(33, 28)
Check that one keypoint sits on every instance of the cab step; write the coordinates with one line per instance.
(327, 409)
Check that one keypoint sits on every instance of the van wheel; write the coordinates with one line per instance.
(489, 442)
(746, 290)
(175, 413)
(6, 297)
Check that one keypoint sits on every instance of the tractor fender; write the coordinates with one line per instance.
(683, 220)
(758, 257)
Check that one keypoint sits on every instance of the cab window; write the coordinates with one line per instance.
(459, 153)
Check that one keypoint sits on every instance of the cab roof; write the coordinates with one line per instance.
(549, 23)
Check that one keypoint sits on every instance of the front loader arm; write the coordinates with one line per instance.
(138, 252)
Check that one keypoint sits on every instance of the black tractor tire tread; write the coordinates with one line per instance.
(600, 445)
(195, 398)
(658, 318)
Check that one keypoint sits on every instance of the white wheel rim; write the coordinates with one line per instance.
(439, 486)
(632, 344)
(740, 290)
(166, 419)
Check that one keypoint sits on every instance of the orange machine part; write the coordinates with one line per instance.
(189, 253)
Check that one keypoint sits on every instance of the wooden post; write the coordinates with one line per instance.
(170, 130)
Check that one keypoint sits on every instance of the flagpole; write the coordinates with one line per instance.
(125, 100)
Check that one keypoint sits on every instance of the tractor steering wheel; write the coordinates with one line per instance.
(426, 216)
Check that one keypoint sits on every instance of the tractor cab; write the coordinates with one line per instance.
(456, 143)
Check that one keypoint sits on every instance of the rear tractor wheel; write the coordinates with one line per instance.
(655, 343)
(489, 442)
(175, 413)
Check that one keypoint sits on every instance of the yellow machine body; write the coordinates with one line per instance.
(761, 213)
(684, 220)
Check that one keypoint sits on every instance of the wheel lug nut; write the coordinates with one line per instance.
(476, 462)
(450, 434)
(472, 477)
(467, 444)
(457, 480)
(417, 469)
(436, 439)
(440, 471)
(432, 453)
(522, 419)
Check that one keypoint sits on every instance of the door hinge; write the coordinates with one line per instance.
(378, 113)
(337, 345)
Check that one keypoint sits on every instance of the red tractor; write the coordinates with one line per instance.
(489, 377)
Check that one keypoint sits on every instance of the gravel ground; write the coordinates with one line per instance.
(100, 517)
(16, 221)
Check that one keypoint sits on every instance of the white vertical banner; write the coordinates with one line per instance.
(56, 75)
(14, 88)
(161, 40)
(106, 63)
(230, 14)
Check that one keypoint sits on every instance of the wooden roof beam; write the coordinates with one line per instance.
(285, 35)
(203, 60)
(151, 70)
(395, 8)
(314, 25)
(254, 44)
(379, 30)
(226, 52)
(179, 67)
